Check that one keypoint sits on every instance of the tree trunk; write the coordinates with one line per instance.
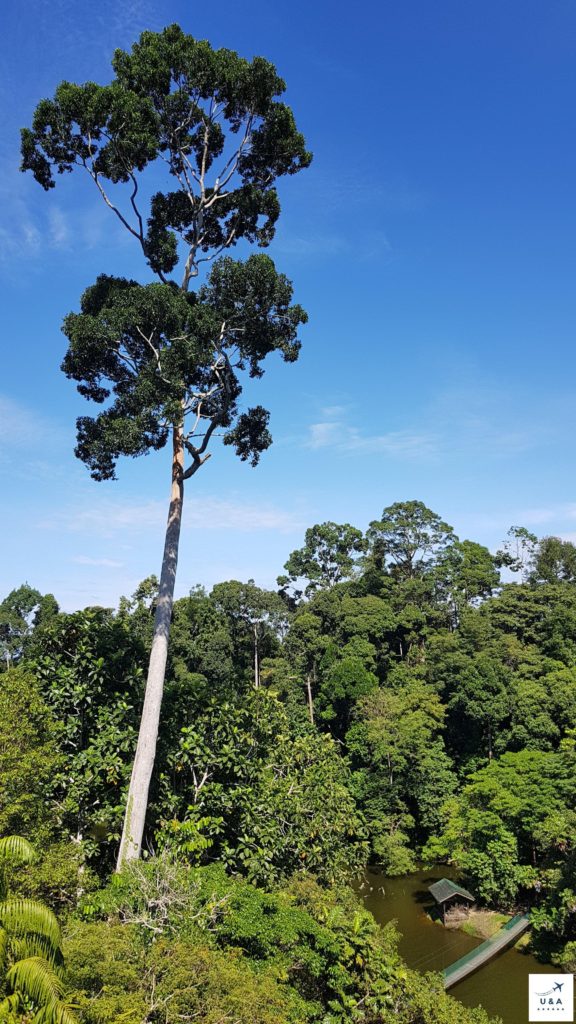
(310, 701)
(256, 659)
(137, 801)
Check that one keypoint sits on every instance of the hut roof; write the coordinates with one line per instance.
(446, 890)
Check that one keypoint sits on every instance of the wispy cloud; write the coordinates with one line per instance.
(336, 190)
(311, 245)
(533, 516)
(101, 28)
(32, 224)
(366, 246)
(336, 433)
(107, 563)
(480, 417)
(23, 428)
(396, 442)
(466, 420)
(59, 231)
(217, 514)
(109, 518)
(20, 235)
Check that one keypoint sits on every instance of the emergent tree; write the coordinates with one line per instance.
(327, 557)
(164, 361)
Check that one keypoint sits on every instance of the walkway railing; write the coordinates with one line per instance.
(479, 956)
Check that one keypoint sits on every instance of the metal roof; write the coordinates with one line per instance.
(445, 890)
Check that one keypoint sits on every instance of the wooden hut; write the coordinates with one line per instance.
(449, 895)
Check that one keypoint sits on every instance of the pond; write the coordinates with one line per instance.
(501, 986)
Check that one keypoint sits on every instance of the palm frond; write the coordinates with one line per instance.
(16, 850)
(23, 917)
(31, 944)
(3, 949)
(36, 979)
(9, 1007)
(55, 1013)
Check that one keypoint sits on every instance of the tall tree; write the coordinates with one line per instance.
(409, 538)
(327, 557)
(166, 362)
(252, 613)
(554, 559)
(465, 575)
(20, 612)
(517, 555)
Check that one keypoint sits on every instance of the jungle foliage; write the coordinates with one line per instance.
(398, 703)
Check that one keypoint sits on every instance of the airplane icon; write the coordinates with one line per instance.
(558, 986)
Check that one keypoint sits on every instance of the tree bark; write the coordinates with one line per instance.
(137, 801)
(310, 701)
(256, 659)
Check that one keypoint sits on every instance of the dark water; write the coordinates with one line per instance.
(501, 986)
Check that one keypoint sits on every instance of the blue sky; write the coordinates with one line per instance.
(432, 242)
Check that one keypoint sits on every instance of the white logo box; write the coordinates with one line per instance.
(550, 997)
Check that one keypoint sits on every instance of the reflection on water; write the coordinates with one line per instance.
(501, 986)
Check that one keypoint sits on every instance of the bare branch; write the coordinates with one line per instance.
(197, 463)
(198, 786)
(93, 174)
(235, 158)
(155, 353)
(135, 208)
(225, 245)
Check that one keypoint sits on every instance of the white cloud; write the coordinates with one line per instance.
(334, 411)
(366, 245)
(335, 433)
(107, 563)
(479, 417)
(21, 427)
(108, 518)
(530, 516)
(312, 245)
(32, 224)
(216, 514)
(338, 190)
(397, 442)
(537, 516)
(324, 435)
(475, 421)
(58, 227)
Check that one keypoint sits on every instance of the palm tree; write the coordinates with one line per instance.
(30, 950)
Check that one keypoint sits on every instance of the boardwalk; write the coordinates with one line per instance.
(479, 956)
